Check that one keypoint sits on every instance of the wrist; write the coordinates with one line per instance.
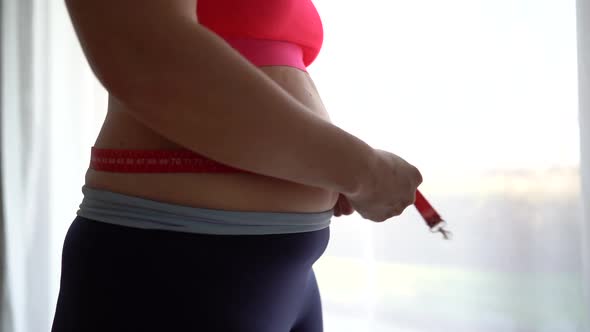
(365, 177)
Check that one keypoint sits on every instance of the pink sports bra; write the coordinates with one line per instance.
(268, 33)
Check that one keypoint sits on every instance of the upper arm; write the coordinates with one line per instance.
(116, 35)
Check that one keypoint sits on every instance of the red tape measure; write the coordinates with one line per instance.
(162, 161)
(432, 218)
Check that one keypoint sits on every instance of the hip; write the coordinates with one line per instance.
(114, 278)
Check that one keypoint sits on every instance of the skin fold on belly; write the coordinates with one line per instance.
(227, 191)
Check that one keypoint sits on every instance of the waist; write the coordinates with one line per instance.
(131, 211)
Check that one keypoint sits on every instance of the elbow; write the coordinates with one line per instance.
(117, 84)
(124, 78)
(140, 91)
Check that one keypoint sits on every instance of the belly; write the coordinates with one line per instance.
(226, 191)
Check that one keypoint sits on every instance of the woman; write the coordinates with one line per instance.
(163, 241)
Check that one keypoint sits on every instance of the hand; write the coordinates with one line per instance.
(343, 207)
(388, 187)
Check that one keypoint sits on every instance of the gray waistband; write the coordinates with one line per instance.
(133, 211)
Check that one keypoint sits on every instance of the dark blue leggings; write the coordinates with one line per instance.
(117, 278)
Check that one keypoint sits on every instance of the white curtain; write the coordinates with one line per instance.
(583, 24)
(481, 95)
(52, 108)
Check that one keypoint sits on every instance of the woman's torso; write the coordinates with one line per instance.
(226, 191)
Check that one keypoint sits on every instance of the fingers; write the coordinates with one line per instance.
(337, 209)
(343, 207)
(395, 211)
(419, 178)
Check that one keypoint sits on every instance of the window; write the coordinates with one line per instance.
(482, 97)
